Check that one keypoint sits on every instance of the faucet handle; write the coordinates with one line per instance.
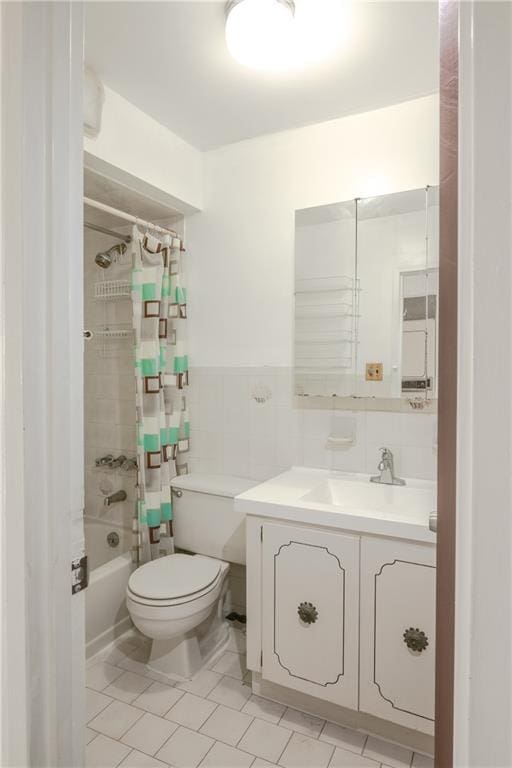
(104, 460)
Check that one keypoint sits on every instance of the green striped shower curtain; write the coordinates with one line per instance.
(161, 370)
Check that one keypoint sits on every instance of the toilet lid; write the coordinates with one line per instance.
(173, 576)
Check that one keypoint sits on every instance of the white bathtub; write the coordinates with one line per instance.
(106, 616)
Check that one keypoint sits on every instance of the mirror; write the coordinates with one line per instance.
(366, 298)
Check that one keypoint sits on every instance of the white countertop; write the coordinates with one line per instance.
(345, 501)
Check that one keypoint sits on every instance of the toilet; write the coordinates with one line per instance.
(178, 601)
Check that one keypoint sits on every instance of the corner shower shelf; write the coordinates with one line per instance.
(113, 289)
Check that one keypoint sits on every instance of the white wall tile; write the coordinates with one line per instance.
(260, 440)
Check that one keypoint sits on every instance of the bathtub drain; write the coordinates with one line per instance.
(113, 539)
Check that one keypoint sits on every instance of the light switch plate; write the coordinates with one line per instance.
(374, 371)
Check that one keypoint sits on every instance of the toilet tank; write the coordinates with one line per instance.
(204, 518)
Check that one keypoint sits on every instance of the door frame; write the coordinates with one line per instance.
(43, 653)
(41, 448)
(447, 379)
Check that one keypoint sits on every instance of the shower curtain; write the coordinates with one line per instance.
(161, 372)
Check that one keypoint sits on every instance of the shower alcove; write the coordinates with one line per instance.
(109, 388)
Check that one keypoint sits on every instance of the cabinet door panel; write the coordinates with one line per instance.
(310, 611)
(397, 634)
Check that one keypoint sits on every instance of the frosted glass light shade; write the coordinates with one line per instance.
(259, 33)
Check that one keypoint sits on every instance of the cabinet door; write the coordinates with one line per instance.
(310, 583)
(397, 632)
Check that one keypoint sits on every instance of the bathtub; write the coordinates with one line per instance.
(106, 616)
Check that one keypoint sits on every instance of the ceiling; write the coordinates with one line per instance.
(170, 60)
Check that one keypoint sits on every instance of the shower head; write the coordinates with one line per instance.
(105, 258)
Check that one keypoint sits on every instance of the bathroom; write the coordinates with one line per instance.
(261, 416)
(284, 267)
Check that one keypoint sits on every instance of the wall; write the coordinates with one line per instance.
(242, 244)
(241, 277)
(231, 433)
(134, 143)
(109, 397)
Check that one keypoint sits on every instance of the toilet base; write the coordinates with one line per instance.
(180, 658)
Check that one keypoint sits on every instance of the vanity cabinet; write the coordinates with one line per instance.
(310, 614)
(397, 632)
(343, 617)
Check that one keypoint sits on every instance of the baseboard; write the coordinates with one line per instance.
(112, 633)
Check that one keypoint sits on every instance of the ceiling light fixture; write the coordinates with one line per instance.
(259, 33)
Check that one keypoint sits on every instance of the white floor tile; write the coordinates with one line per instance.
(185, 749)
(259, 763)
(390, 754)
(302, 723)
(100, 674)
(127, 687)
(135, 660)
(201, 685)
(191, 711)
(226, 725)
(158, 698)
(345, 738)
(233, 693)
(264, 709)
(232, 664)
(115, 720)
(343, 758)
(422, 761)
(94, 703)
(104, 753)
(303, 752)
(140, 760)
(222, 756)
(237, 641)
(89, 735)
(265, 740)
(149, 733)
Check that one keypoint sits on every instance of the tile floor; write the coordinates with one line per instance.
(136, 719)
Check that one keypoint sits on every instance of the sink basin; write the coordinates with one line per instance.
(345, 500)
(359, 494)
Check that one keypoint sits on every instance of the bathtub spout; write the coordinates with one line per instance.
(115, 497)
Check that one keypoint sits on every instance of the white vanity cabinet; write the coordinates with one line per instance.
(309, 611)
(397, 631)
(343, 616)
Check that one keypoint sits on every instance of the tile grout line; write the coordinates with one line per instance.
(100, 711)
(253, 718)
(124, 758)
(285, 747)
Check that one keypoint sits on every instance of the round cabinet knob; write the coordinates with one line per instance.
(307, 613)
(415, 639)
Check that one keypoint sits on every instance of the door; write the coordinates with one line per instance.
(397, 632)
(310, 587)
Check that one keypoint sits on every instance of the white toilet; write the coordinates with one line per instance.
(178, 600)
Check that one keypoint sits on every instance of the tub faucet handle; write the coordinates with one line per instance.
(104, 460)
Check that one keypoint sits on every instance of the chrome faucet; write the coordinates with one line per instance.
(386, 467)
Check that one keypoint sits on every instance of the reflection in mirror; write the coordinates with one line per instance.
(419, 331)
(325, 299)
(366, 284)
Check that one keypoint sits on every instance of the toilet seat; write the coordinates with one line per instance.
(174, 580)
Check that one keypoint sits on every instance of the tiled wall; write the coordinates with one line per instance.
(231, 433)
(109, 389)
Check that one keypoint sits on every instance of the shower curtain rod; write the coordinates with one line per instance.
(105, 231)
(128, 217)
